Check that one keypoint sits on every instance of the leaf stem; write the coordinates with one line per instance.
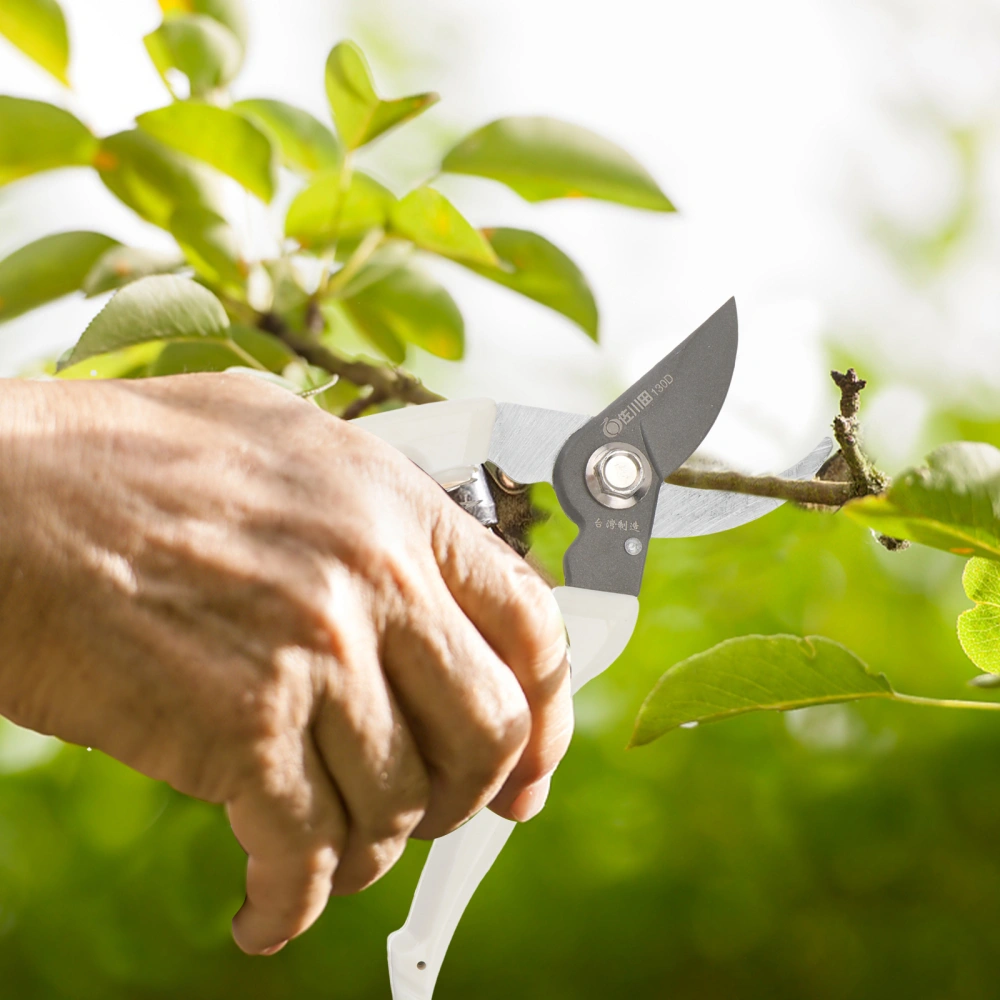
(246, 356)
(371, 242)
(346, 175)
(912, 699)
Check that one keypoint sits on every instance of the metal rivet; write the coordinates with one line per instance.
(633, 546)
(421, 966)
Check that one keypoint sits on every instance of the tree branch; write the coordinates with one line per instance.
(813, 491)
(362, 403)
(389, 383)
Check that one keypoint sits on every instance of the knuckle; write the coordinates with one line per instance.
(532, 609)
(320, 862)
(393, 825)
(367, 862)
(493, 745)
(384, 561)
(549, 752)
(538, 638)
(512, 730)
(264, 721)
(274, 700)
(314, 867)
(397, 817)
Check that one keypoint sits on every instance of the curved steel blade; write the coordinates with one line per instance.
(682, 512)
(527, 439)
(665, 415)
(675, 420)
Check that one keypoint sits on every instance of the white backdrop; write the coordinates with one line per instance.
(816, 150)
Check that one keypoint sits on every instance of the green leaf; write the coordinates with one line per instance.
(218, 356)
(542, 158)
(231, 13)
(48, 269)
(184, 358)
(163, 307)
(210, 244)
(38, 29)
(35, 136)
(952, 504)
(429, 220)
(289, 290)
(369, 328)
(272, 353)
(152, 179)
(539, 270)
(207, 53)
(305, 144)
(406, 306)
(361, 115)
(130, 362)
(320, 215)
(979, 627)
(219, 137)
(122, 265)
(751, 674)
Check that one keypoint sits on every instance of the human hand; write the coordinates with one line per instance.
(227, 589)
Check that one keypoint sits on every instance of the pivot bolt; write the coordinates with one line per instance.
(619, 472)
(618, 475)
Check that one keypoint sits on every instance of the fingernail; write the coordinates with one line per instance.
(530, 802)
(274, 949)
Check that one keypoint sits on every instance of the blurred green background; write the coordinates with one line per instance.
(831, 853)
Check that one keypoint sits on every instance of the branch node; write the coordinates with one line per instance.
(388, 382)
(850, 386)
(892, 544)
(866, 478)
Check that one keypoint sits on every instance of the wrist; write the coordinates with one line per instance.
(28, 426)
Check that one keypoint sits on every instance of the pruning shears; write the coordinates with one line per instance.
(608, 472)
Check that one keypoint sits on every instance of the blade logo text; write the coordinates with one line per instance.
(613, 426)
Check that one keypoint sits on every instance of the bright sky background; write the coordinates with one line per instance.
(793, 134)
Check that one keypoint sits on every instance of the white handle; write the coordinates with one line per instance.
(599, 626)
(448, 440)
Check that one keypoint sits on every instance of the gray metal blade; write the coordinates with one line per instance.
(682, 512)
(527, 439)
(676, 402)
(664, 416)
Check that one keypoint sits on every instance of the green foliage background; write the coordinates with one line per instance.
(847, 851)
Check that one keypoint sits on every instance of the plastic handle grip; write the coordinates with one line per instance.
(448, 440)
(599, 626)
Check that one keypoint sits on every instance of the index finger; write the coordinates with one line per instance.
(517, 614)
(293, 829)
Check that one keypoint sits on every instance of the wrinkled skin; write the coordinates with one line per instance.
(227, 589)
